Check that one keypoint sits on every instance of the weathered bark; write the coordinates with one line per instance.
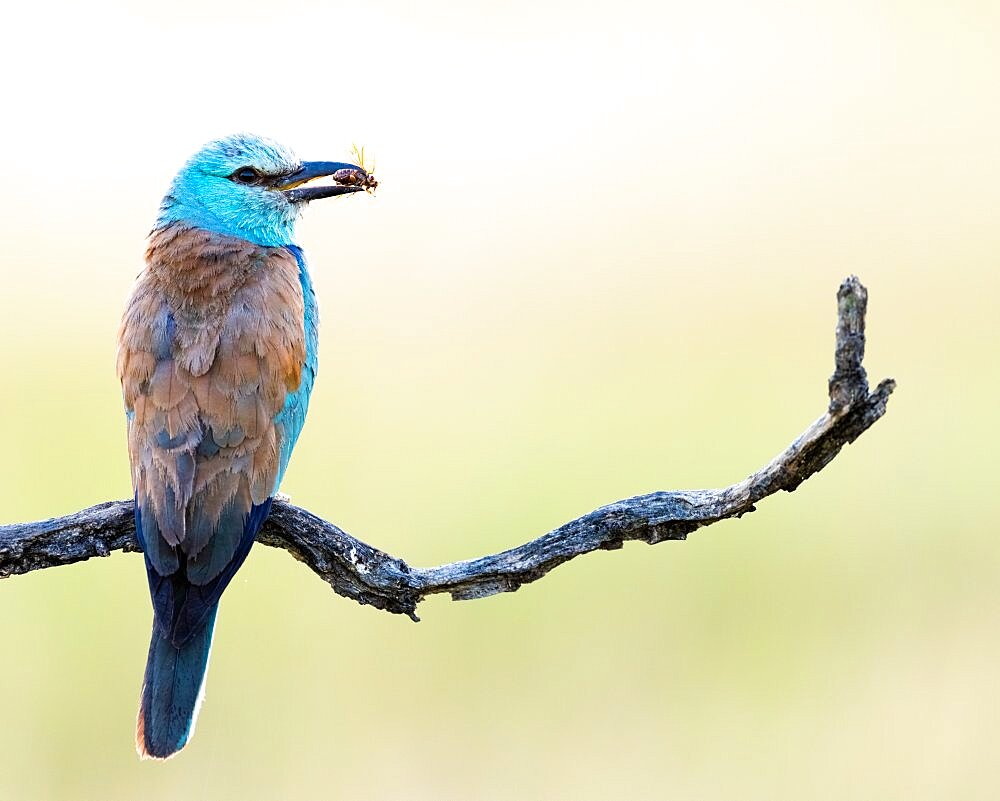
(359, 571)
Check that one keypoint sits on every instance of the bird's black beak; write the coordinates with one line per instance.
(349, 177)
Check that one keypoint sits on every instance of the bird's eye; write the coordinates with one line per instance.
(245, 175)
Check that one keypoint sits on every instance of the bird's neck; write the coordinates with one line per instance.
(264, 218)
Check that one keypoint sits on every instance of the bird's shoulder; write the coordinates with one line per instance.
(213, 304)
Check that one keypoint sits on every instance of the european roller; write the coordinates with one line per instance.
(217, 358)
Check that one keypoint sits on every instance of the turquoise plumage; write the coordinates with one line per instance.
(292, 416)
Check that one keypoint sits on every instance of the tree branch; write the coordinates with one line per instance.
(367, 575)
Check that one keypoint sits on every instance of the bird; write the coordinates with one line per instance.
(217, 356)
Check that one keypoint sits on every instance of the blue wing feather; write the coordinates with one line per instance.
(181, 606)
(292, 416)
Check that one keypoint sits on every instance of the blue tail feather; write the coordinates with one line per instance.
(172, 690)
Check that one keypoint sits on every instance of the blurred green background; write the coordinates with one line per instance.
(602, 262)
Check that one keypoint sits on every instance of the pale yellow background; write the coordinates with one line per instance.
(602, 262)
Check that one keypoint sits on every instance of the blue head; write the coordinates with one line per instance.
(244, 186)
